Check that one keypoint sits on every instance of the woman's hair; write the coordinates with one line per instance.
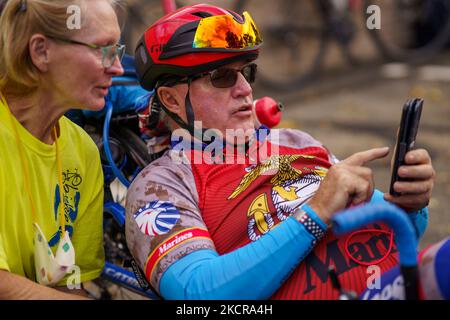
(2, 5)
(21, 19)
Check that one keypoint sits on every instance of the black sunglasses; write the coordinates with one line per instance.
(220, 78)
(226, 77)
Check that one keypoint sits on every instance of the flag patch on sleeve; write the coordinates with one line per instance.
(157, 217)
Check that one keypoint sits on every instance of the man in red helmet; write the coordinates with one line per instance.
(237, 212)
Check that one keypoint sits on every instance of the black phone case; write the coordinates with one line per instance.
(409, 125)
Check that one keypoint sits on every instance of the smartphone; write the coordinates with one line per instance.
(406, 137)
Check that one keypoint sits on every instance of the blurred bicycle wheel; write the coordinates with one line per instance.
(295, 41)
(411, 30)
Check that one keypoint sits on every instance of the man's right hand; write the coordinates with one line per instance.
(347, 183)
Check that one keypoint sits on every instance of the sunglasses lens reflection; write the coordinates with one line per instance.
(227, 77)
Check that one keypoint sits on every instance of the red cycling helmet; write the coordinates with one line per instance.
(193, 40)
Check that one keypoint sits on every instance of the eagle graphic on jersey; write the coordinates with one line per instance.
(291, 187)
(279, 164)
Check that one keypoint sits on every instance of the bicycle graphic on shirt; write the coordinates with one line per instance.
(71, 180)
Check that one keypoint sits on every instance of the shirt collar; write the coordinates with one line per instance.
(188, 143)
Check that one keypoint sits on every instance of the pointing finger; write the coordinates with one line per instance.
(361, 158)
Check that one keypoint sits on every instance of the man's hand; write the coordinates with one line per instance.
(347, 183)
(415, 193)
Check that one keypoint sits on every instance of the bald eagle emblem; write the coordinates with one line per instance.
(291, 187)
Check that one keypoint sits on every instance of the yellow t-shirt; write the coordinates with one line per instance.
(83, 198)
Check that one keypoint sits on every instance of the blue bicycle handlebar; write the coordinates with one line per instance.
(405, 237)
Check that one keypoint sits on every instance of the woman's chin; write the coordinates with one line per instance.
(96, 105)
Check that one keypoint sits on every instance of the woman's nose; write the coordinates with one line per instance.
(116, 69)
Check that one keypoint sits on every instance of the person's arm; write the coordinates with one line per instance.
(418, 218)
(79, 292)
(258, 269)
(184, 253)
(15, 287)
(180, 268)
(254, 271)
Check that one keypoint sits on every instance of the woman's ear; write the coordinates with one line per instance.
(172, 100)
(39, 53)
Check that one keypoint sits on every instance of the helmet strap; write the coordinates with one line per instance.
(190, 116)
(189, 126)
(190, 111)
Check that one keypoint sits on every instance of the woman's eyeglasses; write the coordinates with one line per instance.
(109, 53)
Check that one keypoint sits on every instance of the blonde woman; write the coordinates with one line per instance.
(55, 55)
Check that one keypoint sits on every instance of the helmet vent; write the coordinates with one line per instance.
(142, 54)
(237, 17)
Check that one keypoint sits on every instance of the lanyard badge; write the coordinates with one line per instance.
(51, 269)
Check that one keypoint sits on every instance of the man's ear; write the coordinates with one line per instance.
(39, 51)
(172, 100)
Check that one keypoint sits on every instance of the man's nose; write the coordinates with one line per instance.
(242, 88)
(116, 69)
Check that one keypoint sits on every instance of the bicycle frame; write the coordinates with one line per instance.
(115, 273)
